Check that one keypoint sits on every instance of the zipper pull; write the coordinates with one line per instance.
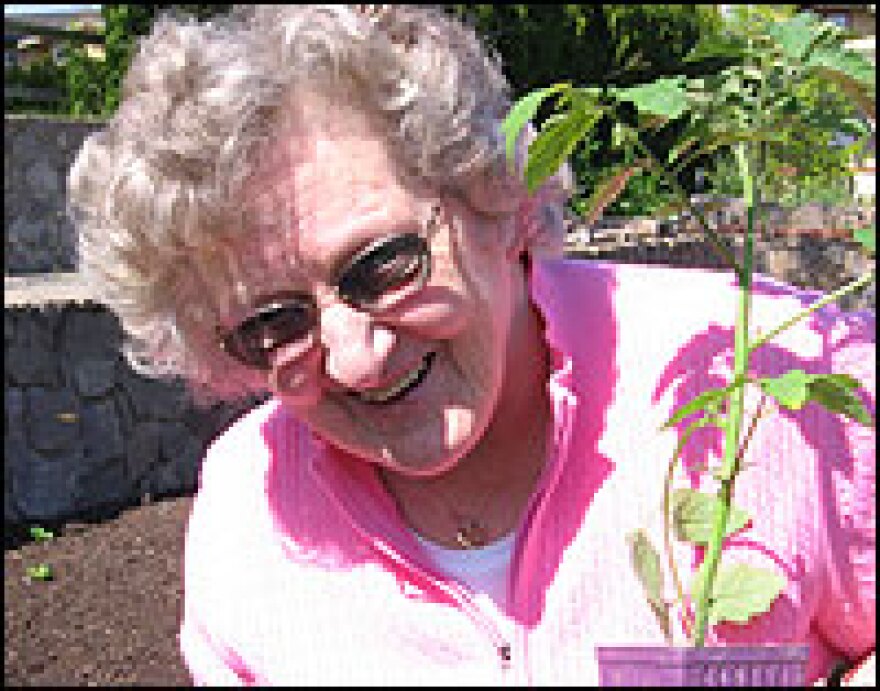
(504, 653)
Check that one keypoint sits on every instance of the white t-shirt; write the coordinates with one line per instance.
(483, 569)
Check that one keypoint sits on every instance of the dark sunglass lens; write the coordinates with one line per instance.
(240, 347)
(257, 337)
(384, 268)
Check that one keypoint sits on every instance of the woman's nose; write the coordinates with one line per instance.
(357, 348)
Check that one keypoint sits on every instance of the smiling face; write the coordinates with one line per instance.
(415, 386)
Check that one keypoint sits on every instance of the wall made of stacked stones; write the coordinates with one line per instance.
(807, 261)
(37, 155)
(84, 432)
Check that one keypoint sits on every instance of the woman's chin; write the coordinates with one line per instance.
(431, 455)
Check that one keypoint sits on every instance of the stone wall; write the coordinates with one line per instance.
(37, 154)
(84, 432)
(808, 261)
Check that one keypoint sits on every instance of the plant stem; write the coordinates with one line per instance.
(733, 422)
(714, 238)
(831, 297)
(752, 425)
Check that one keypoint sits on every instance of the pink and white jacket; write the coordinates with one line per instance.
(299, 571)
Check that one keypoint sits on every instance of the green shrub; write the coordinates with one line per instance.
(598, 45)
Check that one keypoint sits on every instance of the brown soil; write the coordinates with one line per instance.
(111, 613)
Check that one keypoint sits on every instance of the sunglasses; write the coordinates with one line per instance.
(377, 278)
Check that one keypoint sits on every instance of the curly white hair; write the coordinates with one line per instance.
(154, 192)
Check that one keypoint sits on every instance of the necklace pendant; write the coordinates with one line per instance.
(471, 535)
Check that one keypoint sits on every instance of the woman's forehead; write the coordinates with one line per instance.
(324, 189)
(320, 219)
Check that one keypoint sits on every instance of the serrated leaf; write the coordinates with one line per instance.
(844, 61)
(740, 592)
(693, 516)
(522, 112)
(867, 238)
(790, 390)
(555, 142)
(645, 561)
(664, 97)
(836, 392)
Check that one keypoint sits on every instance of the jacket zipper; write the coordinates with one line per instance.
(461, 596)
(458, 594)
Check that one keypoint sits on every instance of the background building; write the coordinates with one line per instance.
(33, 31)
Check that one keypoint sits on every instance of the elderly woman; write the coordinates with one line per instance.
(314, 202)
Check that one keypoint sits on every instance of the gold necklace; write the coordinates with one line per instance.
(471, 535)
(471, 532)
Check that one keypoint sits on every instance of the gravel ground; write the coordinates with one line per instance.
(111, 612)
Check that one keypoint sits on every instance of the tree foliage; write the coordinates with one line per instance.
(791, 85)
(590, 45)
(815, 164)
(90, 85)
(598, 45)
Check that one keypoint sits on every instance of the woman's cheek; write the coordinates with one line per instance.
(437, 313)
(299, 384)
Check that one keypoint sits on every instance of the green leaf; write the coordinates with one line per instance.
(867, 238)
(716, 140)
(645, 561)
(846, 62)
(40, 572)
(673, 207)
(618, 135)
(709, 400)
(40, 534)
(665, 97)
(717, 47)
(740, 592)
(693, 516)
(522, 112)
(851, 71)
(795, 35)
(555, 142)
(836, 392)
(790, 390)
